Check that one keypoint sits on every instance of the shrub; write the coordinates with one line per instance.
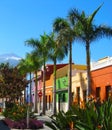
(16, 112)
(33, 123)
(95, 116)
(15, 117)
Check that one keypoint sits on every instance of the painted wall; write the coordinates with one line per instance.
(62, 93)
(79, 79)
(49, 78)
(101, 78)
(79, 86)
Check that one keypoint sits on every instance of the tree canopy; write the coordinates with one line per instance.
(12, 83)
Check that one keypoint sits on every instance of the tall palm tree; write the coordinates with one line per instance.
(35, 62)
(29, 67)
(24, 69)
(66, 34)
(41, 49)
(57, 53)
(87, 32)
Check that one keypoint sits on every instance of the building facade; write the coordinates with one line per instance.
(79, 86)
(101, 75)
(48, 86)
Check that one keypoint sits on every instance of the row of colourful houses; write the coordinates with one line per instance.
(101, 76)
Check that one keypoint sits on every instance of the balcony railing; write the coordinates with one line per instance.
(101, 63)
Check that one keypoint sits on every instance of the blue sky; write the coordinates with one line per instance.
(21, 20)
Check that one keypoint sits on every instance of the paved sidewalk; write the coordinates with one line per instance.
(45, 128)
(44, 118)
(3, 126)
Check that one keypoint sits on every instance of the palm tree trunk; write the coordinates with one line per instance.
(70, 77)
(36, 91)
(25, 95)
(44, 101)
(88, 69)
(54, 89)
(30, 90)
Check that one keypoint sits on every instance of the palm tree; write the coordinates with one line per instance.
(57, 52)
(29, 67)
(34, 63)
(31, 64)
(24, 69)
(66, 34)
(41, 49)
(87, 32)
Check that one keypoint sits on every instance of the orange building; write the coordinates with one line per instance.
(101, 75)
(48, 83)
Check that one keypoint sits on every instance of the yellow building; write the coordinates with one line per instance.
(79, 83)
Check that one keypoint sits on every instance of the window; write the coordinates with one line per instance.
(78, 94)
(98, 89)
(84, 95)
(62, 97)
(108, 90)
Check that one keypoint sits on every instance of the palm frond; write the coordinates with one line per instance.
(32, 42)
(59, 23)
(91, 17)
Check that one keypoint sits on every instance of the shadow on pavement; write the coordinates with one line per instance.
(3, 126)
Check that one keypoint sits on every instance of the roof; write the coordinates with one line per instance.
(49, 70)
(64, 71)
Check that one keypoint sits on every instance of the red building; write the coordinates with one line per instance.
(101, 75)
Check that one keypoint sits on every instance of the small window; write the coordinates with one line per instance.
(108, 91)
(98, 89)
(62, 97)
(78, 94)
(84, 95)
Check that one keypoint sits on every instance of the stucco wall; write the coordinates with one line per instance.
(79, 79)
(101, 78)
